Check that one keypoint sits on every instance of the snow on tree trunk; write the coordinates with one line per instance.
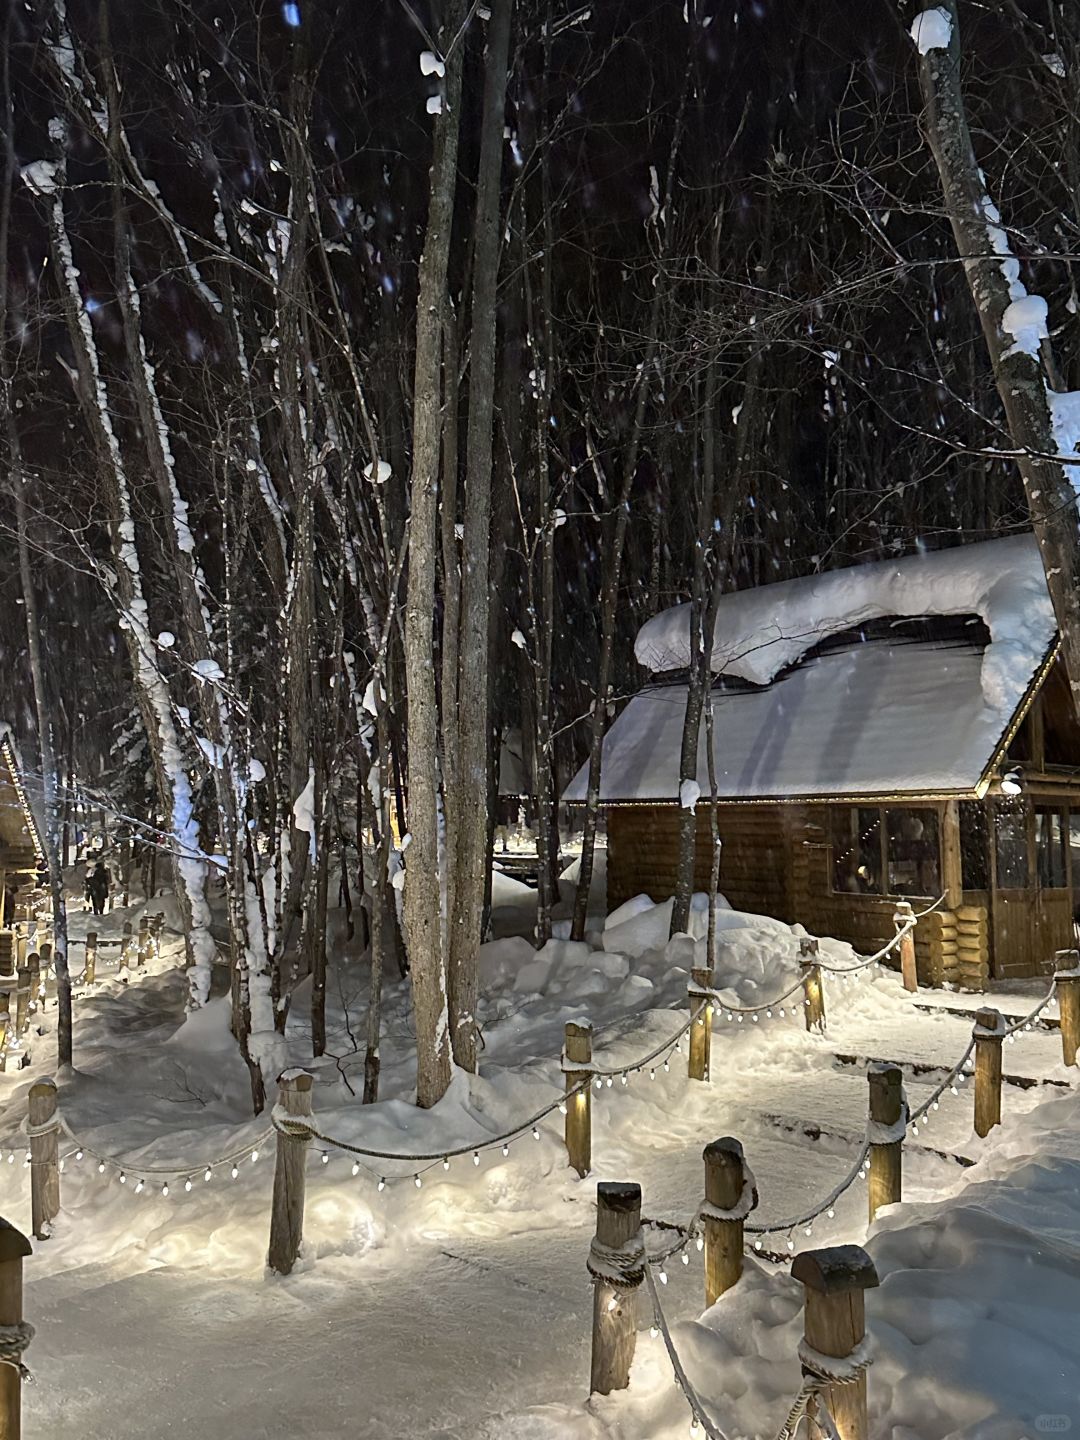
(1013, 322)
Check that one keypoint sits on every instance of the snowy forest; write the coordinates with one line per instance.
(375, 379)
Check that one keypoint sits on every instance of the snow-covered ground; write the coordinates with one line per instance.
(461, 1308)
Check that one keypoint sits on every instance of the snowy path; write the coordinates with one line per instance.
(428, 1313)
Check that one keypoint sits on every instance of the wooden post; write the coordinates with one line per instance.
(287, 1214)
(43, 976)
(125, 947)
(14, 1248)
(614, 1332)
(730, 1195)
(700, 1046)
(33, 965)
(1067, 978)
(44, 1157)
(813, 990)
(903, 917)
(888, 1116)
(834, 1326)
(90, 968)
(578, 1129)
(952, 869)
(144, 940)
(7, 981)
(22, 1000)
(989, 1035)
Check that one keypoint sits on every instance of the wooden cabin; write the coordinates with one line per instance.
(22, 855)
(911, 735)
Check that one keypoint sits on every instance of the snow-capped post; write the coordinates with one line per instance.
(44, 1134)
(144, 940)
(1067, 983)
(888, 1123)
(287, 1213)
(989, 1034)
(730, 1195)
(813, 991)
(833, 1347)
(617, 1265)
(904, 919)
(15, 1333)
(90, 968)
(577, 1050)
(701, 1011)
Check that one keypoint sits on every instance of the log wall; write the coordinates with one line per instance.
(755, 858)
(776, 861)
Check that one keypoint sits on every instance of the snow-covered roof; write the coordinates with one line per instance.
(880, 717)
(760, 632)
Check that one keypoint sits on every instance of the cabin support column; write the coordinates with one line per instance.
(951, 865)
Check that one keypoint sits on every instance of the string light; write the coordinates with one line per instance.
(234, 1172)
(140, 1186)
(418, 1182)
(326, 1157)
(382, 1183)
(207, 1173)
(123, 1178)
(446, 1162)
(165, 1190)
(187, 1184)
(476, 1157)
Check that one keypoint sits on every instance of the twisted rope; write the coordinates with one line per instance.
(14, 1340)
(693, 1399)
(834, 1195)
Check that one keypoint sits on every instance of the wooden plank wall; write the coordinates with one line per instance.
(755, 858)
(776, 861)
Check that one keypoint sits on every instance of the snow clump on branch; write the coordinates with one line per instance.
(932, 30)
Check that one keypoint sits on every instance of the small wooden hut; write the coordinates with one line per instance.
(22, 855)
(898, 730)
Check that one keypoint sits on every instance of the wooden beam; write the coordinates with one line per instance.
(951, 860)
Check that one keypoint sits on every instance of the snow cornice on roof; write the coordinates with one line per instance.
(763, 631)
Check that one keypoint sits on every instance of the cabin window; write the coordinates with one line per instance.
(1050, 854)
(1010, 845)
(856, 847)
(974, 846)
(912, 848)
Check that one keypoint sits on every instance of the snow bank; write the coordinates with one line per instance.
(760, 632)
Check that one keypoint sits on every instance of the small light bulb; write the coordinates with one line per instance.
(326, 1157)
(562, 1107)
(417, 1181)
(234, 1172)
(207, 1173)
(382, 1183)
(101, 1167)
(652, 1074)
(599, 1083)
(755, 1017)
(476, 1157)
(610, 1081)
(653, 1331)
(831, 1213)
(139, 1188)
(187, 1184)
(78, 1154)
(769, 1014)
(685, 1258)
(356, 1167)
(667, 1067)
(700, 1243)
(506, 1149)
(254, 1156)
(790, 1243)
(663, 1277)
(613, 1303)
(739, 1018)
(123, 1178)
(757, 1244)
(446, 1162)
(625, 1079)
(781, 1012)
(165, 1190)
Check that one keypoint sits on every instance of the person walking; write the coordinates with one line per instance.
(98, 886)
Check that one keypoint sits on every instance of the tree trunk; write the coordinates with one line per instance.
(423, 899)
(993, 278)
(471, 799)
